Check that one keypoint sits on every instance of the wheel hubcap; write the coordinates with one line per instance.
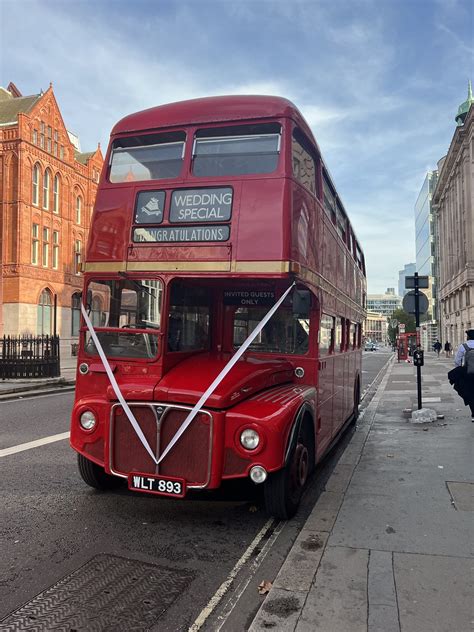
(300, 466)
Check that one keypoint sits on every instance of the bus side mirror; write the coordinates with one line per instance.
(89, 299)
(301, 303)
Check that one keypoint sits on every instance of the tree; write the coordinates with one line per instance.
(401, 316)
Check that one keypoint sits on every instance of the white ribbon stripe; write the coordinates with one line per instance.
(235, 358)
(116, 387)
(192, 413)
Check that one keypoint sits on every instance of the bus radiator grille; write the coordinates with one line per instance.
(189, 458)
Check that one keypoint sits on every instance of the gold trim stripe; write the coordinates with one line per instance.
(249, 267)
(179, 266)
(104, 266)
(261, 267)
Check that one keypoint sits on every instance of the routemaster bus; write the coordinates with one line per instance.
(224, 291)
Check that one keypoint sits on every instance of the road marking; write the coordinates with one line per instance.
(224, 587)
(33, 444)
(234, 599)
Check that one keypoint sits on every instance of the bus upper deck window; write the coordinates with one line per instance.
(148, 157)
(237, 150)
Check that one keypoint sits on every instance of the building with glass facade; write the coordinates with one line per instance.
(426, 241)
(409, 269)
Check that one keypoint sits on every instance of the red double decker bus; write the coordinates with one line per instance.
(224, 291)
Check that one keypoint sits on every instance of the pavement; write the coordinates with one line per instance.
(388, 546)
(29, 387)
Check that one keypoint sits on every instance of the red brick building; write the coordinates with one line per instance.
(47, 191)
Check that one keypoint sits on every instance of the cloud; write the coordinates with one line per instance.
(378, 82)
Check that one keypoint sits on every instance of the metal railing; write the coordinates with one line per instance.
(29, 357)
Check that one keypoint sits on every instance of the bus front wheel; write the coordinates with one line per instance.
(95, 476)
(283, 489)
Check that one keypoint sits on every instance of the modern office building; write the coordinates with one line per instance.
(409, 269)
(47, 191)
(453, 204)
(384, 304)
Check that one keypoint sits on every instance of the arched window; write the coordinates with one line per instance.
(46, 188)
(78, 209)
(35, 183)
(56, 194)
(45, 313)
(75, 313)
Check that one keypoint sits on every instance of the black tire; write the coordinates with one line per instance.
(283, 489)
(95, 476)
(355, 412)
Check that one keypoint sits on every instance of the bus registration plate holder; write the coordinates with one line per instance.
(155, 484)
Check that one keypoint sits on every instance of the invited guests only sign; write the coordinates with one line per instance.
(201, 205)
(249, 297)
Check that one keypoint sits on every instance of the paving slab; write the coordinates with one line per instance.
(398, 514)
(434, 593)
(299, 569)
(338, 599)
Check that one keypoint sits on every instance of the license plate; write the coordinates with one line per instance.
(161, 485)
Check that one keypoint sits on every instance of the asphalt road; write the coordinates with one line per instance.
(52, 525)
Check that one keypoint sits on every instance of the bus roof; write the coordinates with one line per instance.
(212, 110)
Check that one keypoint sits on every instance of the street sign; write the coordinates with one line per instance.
(423, 282)
(393, 323)
(401, 328)
(409, 303)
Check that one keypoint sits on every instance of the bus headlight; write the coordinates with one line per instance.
(249, 438)
(88, 420)
(258, 474)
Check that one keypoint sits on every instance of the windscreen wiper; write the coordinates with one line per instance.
(142, 288)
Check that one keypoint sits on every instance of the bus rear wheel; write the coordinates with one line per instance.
(283, 489)
(355, 414)
(95, 476)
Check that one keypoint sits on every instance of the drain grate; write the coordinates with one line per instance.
(108, 594)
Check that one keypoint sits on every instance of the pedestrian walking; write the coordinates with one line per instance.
(447, 349)
(437, 347)
(462, 376)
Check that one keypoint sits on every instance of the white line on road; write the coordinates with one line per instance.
(33, 444)
(224, 587)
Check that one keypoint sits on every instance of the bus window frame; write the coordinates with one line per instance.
(195, 131)
(300, 137)
(140, 134)
(331, 349)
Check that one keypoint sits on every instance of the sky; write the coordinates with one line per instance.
(379, 82)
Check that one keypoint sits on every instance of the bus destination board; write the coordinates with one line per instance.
(201, 205)
(170, 234)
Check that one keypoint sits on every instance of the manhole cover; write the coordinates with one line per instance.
(109, 593)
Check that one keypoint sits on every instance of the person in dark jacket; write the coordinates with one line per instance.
(463, 383)
(437, 347)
